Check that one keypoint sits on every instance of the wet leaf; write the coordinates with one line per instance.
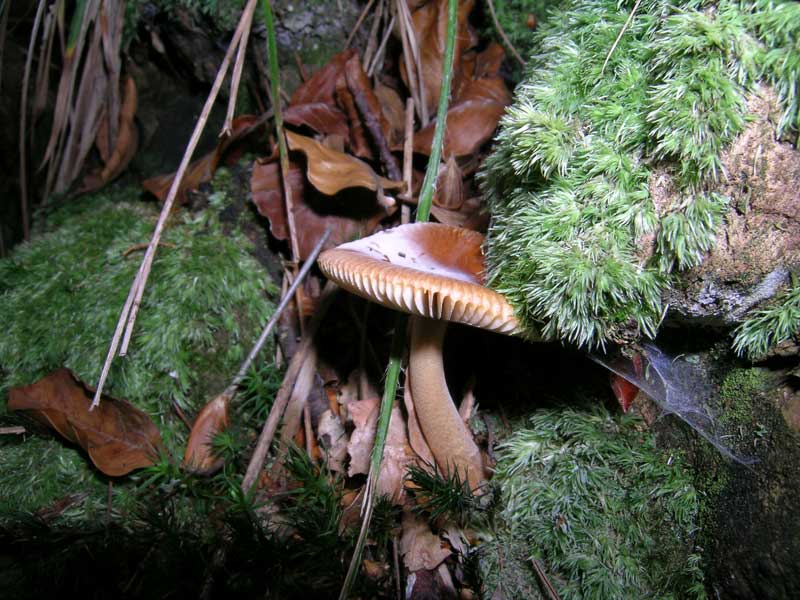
(330, 171)
(202, 170)
(313, 213)
(213, 419)
(420, 548)
(117, 436)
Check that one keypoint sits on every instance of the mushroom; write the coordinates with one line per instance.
(434, 272)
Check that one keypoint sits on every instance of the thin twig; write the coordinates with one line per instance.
(552, 593)
(247, 15)
(621, 33)
(373, 34)
(4, 10)
(506, 42)
(408, 161)
(411, 60)
(283, 395)
(23, 108)
(398, 579)
(360, 20)
(287, 297)
(382, 47)
(128, 315)
(137, 247)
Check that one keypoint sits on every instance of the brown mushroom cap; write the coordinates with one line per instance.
(425, 269)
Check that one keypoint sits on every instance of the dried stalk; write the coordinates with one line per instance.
(129, 310)
(382, 47)
(621, 33)
(23, 108)
(247, 15)
(357, 26)
(284, 393)
(408, 160)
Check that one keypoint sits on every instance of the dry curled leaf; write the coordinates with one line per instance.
(333, 440)
(117, 436)
(322, 118)
(330, 171)
(313, 213)
(365, 418)
(321, 87)
(213, 419)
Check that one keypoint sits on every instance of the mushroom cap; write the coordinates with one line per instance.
(425, 269)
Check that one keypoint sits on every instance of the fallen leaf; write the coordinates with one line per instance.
(365, 418)
(449, 191)
(117, 436)
(624, 391)
(202, 170)
(471, 119)
(420, 548)
(430, 27)
(369, 115)
(322, 118)
(214, 418)
(348, 219)
(330, 171)
(397, 456)
(333, 440)
(394, 110)
(321, 86)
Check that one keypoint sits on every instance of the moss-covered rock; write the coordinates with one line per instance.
(621, 161)
(60, 298)
(608, 514)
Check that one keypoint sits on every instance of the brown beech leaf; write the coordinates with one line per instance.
(449, 192)
(394, 111)
(471, 119)
(214, 418)
(202, 170)
(430, 28)
(321, 87)
(397, 456)
(322, 118)
(117, 436)
(116, 158)
(313, 212)
(420, 548)
(330, 171)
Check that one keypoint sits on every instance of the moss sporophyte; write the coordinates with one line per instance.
(577, 242)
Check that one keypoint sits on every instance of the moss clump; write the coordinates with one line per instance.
(60, 297)
(577, 242)
(770, 326)
(609, 515)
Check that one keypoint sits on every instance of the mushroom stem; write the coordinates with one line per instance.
(444, 430)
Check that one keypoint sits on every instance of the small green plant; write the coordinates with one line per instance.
(608, 514)
(441, 496)
(770, 326)
(569, 180)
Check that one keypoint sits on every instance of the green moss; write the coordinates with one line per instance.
(569, 181)
(608, 514)
(770, 326)
(737, 394)
(60, 297)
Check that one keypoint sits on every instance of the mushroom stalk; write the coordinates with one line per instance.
(448, 437)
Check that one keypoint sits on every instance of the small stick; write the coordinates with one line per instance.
(287, 297)
(247, 16)
(13, 430)
(137, 247)
(373, 35)
(552, 594)
(621, 33)
(309, 431)
(397, 575)
(506, 42)
(357, 26)
(409, 48)
(408, 156)
(284, 393)
(128, 315)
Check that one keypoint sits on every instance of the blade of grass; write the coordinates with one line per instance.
(398, 340)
